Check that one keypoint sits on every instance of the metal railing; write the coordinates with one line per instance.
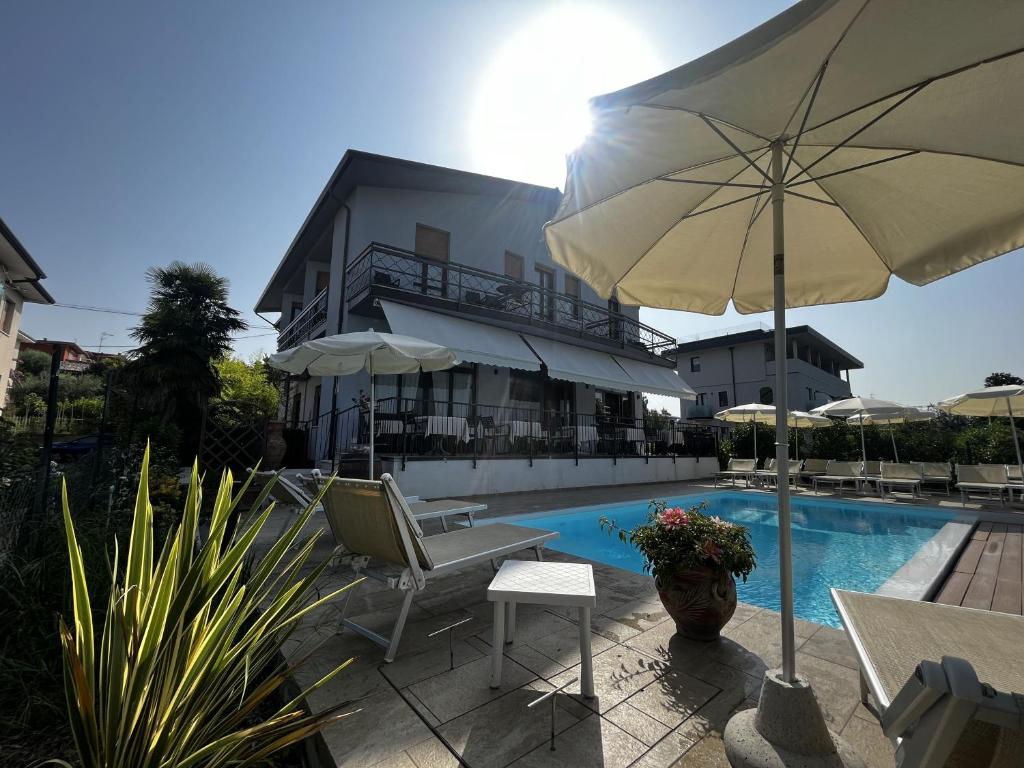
(410, 428)
(385, 269)
(306, 323)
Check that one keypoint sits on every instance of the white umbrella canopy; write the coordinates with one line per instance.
(883, 135)
(857, 408)
(991, 401)
(765, 414)
(907, 416)
(375, 352)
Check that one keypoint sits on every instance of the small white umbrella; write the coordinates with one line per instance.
(991, 401)
(349, 353)
(859, 406)
(751, 413)
(905, 417)
(798, 419)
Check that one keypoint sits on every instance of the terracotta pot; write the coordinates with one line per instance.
(700, 600)
(274, 452)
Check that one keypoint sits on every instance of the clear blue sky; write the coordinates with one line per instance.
(138, 133)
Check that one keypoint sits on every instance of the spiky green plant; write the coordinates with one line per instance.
(186, 659)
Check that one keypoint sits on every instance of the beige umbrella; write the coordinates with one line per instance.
(765, 414)
(860, 406)
(1005, 401)
(907, 416)
(885, 136)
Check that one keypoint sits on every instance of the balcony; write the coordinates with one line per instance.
(307, 324)
(382, 271)
(700, 411)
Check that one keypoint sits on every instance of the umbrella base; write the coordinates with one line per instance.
(787, 730)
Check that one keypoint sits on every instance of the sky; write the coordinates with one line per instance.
(134, 134)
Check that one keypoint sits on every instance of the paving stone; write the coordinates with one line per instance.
(666, 751)
(673, 697)
(637, 724)
(831, 645)
(869, 741)
(618, 673)
(613, 630)
(563, 645)
(454, 693)
(836, 687)
(383, 725)
(399, 760)
(410, 668)
(535, 661)
(640, 614)
(709, 752)
(504, 729)
(591, 742)
(432, 754)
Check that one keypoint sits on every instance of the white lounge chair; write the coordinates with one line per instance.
(769, 474)
(373, 522)
(946, 680)
(839, 473)
(902, 476)
(287, 491)
(745, 468)
(982, 478)
(812, 468)
(935, 472)
(1014, 476)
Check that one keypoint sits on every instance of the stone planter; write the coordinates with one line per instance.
(700, 601)
(274, 452)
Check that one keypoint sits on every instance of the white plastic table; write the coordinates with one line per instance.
(542, 583)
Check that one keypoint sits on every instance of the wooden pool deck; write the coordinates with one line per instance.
(989, 574)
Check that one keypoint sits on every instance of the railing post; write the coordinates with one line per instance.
(332, 439)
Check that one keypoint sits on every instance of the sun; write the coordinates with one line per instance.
(531, 105)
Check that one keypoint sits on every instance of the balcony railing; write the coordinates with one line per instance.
(307, 324)
(384, 270)
(414, 428)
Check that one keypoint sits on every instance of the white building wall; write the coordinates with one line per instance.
(9, 342)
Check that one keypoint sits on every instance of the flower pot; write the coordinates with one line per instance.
(700, 600)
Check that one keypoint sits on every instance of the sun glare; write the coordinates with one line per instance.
(531, 107)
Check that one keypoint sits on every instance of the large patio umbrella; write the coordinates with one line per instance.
(856, 408)
(907, 416)
(751, 413)
(348, 353)
(800, 419)
(888, 133)
(1007, 401)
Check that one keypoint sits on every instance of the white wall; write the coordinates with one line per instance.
(451, 479)
(9, 343)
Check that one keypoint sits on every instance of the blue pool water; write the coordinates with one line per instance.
(836, 543)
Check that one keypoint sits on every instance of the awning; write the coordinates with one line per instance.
(472, 342)
(655, 379)
(572, 363)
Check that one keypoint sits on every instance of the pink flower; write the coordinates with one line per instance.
(674, 517)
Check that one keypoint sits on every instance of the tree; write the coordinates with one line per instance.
(186, 329)
(1002, 380)
(248, 386)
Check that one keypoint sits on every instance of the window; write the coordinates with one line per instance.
(8, 316)
(572, 290)
(433, 244)
(546, 281)
(702, 398)
(723, 399)
(296, 310)
(316, 405)
(524, 389)
(810, 394)
(513, 265)
(766, 396)
(323, 279)
(695, 365)
(769, 353)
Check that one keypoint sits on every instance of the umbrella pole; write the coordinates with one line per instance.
(373, 408)
(892, 434)
(1016, 446)
(754, 425)
(863, 450)
(797, 446)
(782, 420)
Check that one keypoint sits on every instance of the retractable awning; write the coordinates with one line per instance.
(472, 342)
(571, 363)
(656, 379)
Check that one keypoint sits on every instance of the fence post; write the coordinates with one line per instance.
(51, 418)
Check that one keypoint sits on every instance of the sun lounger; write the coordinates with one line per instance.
(946, 680)
(1014, 476)
(839, 473)
(373, 522)
(873, 469)
(812, 468)
(745, 468)
(935, 472)
(982, 478)
(770, 474)
(287, 492)
(900, 476)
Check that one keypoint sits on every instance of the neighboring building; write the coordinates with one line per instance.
(20, 282)
(460, 259)
(738, 368)
(73, 358)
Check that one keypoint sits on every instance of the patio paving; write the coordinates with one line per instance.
(661, 700)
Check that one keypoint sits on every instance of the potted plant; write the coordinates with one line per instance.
(695, 559)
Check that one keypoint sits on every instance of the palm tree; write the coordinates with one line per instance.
(186, 329)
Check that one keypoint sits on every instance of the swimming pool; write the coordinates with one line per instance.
(836, 543)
